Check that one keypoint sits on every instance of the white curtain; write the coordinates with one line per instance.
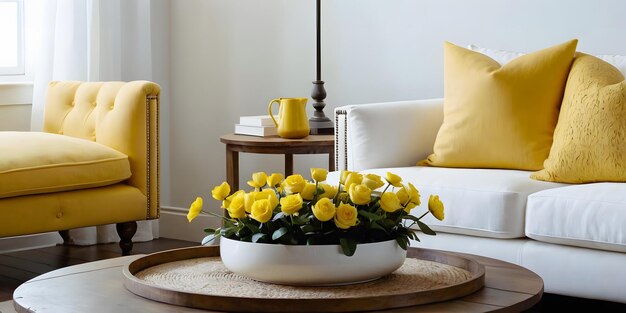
(91, 40)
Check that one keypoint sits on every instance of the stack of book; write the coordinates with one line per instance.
(258, 125)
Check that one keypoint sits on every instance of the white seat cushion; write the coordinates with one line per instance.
(590, 215)
(479, 202)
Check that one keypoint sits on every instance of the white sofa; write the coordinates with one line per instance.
(573, 236)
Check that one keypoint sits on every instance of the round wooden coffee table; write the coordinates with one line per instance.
(99, 286)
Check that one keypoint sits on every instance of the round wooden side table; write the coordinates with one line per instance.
(313, 144)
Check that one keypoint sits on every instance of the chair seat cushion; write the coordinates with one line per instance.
(479, 202)
(35, 162)
(590, 216)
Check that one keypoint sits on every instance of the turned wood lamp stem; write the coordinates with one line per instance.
(320, 124)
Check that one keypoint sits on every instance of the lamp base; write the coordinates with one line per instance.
(322, 128)
(320, 124)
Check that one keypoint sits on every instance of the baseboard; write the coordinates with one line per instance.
(11, 244)
(173, 224)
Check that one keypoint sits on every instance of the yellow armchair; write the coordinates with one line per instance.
(96, 162)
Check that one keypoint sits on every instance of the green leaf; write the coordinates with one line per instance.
(314, 241)
(228, 224)
(279, 233)
(278, 216)
(377, 226)
(348, 245)
(403, 231)
(425, 229)
(299, 220)
(413, 235)
(411, 217)
(402, 242)
(259, 237)
(228, 232)
(206, 240)
(253, 228)
(371, 216)
(387, 223)
(209, 230)
(289, 240)
(308, 228)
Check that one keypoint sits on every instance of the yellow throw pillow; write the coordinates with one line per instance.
(500, 116)
(590, 136)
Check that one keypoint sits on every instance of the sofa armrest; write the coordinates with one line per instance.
(123, 116)
(391, 134)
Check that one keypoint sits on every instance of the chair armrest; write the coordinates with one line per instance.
(391, 134)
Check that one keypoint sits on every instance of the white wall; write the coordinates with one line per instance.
(230, 57)
(160, 45)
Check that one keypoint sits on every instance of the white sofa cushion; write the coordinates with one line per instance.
(479, 202)
(590, 215)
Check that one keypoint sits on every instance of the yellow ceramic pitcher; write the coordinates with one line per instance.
(292, 121)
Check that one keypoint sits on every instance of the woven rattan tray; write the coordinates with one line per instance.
(195, 277)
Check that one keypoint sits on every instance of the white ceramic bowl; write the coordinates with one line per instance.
(310, 265)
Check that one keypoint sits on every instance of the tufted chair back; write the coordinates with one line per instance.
(123, 116)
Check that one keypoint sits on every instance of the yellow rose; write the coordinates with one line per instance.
(261, 210)
(343, 197)
(248, 200)
(226, 202)
(324, 210)
(389, 202)
(194, 209)
(403, 196)
(435, 206)
(274, 180)
(346, 216)
(258, 180)
(329, 191)
(291, 204)
(319, 174)
(294, 183)
(360, 194)
(372, 181)
(414, 195)
(409, 207)
(308, 192)
(394, 179)
(237, 208)
(267, 194)
(353, 178)
(344, 176)
(221, 192)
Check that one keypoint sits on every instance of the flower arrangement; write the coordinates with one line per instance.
(294, 211)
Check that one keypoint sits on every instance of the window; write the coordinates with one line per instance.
(12, 37)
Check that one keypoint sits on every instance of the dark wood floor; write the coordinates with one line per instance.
(18, 267)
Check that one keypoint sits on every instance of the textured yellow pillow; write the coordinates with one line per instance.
(590, 136)
(500, 116)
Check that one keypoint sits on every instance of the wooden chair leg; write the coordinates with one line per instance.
(126, 231)
(65, 234)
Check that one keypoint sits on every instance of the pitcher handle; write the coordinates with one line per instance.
(269, 110)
